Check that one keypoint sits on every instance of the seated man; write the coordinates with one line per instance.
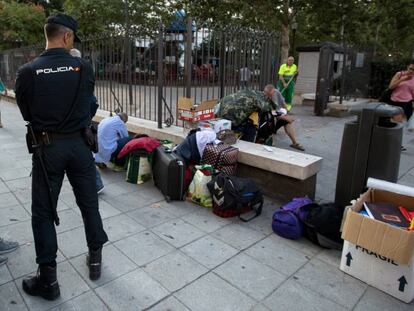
(280, 115)
(112, 137)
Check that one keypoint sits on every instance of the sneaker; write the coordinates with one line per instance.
(100, 165)
(116, 168)
(7, 247)
(100, 189)
(403, 148)
(3, 260)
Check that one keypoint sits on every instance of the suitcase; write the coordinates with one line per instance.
(222, 157)
(168, 173)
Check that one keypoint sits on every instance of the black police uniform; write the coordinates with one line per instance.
(45, 92)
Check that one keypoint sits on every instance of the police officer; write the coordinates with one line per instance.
(53, 93)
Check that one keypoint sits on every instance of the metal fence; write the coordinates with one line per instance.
(145, 73)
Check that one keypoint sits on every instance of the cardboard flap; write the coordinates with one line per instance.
(207, 105)
(185, 103)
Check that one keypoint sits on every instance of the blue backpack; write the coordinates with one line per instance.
(287, 220)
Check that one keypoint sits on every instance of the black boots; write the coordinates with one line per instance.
(94, 262)
(44, 284)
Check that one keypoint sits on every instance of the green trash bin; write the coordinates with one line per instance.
(371, 147)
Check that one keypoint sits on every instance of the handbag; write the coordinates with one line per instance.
(90, 135)
(386, 96)
(233, 196)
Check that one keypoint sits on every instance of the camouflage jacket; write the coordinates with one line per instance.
(239, 106)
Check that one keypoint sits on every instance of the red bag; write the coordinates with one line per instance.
(222, 157)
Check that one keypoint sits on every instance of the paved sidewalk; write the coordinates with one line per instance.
(178, 256)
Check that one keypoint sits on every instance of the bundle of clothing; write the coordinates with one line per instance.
(192, 148)
(141, 145)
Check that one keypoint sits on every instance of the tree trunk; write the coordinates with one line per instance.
(284, 53)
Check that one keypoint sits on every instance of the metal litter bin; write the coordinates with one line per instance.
(371, 147)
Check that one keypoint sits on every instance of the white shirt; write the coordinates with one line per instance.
(110, 130)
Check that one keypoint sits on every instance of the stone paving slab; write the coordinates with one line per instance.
(213, 293)
(114, 265)
(71, 285)
(331, 283)
(279, 256)
(238, 236)
(252, 277)
(293, 296)
(175, 270)
(121, 226)
(10, 299)
(133, 291)
(374, 300)
(22, 261)
(177, 232)
(171, 304)
(85, 302)
(150, 216)
(209, 251)
(177, 255)
(151, 247)
(13, 214)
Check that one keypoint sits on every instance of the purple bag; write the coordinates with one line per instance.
(287, 220)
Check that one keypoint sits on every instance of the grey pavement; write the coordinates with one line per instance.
(179, 256)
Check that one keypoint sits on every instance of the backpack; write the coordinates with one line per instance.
(287, 220)
(323, 223)
(233, 196)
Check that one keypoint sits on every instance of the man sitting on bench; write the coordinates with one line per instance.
(280, 116)
(112, 137)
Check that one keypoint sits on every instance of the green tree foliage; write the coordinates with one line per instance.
(117, 16)
(384, 25)
(21, 24)
(50, 6)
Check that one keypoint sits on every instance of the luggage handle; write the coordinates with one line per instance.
(258, 211)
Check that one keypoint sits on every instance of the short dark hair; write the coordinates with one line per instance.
(52, 31)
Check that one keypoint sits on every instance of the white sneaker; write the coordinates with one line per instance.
(101, 189)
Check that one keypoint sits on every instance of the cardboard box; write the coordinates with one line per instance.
(188, 112)
(379, 271)
(377, 236)
(215, 124)
(376, 252)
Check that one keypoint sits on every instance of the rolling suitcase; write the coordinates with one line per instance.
(168, 173)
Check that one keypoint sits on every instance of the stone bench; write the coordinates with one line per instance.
(282, 174)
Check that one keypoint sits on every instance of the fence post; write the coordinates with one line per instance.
(222, 63)
(160, 75)
(129, 71)
(188, 57)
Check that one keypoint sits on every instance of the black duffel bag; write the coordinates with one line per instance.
(233, 196)
(323, 225)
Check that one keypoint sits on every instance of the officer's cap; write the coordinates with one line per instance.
(64, 20)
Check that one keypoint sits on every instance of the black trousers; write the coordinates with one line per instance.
(407, 107)
(121, 144)
(72, 156)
